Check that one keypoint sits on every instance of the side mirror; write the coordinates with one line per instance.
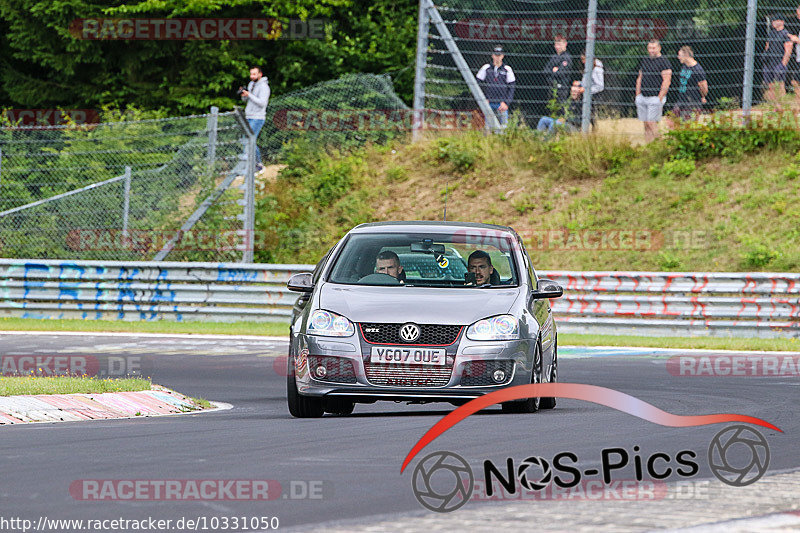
(547, 288)
(301, 282)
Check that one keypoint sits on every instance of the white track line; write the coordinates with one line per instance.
(232, 337)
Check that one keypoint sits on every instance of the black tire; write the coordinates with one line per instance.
(301, 406)
(339, 406)
(530, 405)
(550, 403)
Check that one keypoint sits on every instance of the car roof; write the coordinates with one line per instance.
(424, 226)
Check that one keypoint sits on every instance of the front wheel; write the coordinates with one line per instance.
(301, 406)
(529, 405)
(550, 403)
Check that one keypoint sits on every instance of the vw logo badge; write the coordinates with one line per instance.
(409, 332)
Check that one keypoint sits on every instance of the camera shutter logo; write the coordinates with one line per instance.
(442, 482)
(526, 481)
(410, 332)
(738, 455)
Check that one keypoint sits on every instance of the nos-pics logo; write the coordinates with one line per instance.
(443, 481)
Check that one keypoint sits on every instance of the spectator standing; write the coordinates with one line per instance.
(793, 27)
(598, 76)
(652, 84)
(257, 97)
(692, 85)
(598, 81)
(558, 70)
(777, 52)
(498, 83)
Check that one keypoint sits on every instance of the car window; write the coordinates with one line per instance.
(439, 260)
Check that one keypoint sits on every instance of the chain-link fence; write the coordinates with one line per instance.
(348, 111)
(177, 187)
(114, 190)
(735, 61)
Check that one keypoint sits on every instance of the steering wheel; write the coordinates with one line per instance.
(379, 279)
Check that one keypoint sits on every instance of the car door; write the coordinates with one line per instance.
(541, 311)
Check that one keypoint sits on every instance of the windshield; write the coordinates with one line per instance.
(425, 260)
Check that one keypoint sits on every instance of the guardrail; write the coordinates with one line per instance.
(643, 303)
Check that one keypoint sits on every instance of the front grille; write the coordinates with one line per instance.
(430, 334)
(479, 373)
(339, 369)
(408, 375)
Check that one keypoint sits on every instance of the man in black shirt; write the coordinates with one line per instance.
(693, 86)
(558, 70)
(777, 52)
(655, 75)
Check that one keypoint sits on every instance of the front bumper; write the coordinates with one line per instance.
(468, 373)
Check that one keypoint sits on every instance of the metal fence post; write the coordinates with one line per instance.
(419, 77)
(212, 138)
(749, 59)
(492, 122)
(591, 36)
(249, 200)
(1, 167)
(126, 201)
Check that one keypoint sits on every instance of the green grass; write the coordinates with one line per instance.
(207, 328)
(699, 343)
(13, 385)
(282, 329)
(700, 199)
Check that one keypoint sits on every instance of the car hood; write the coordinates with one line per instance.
(423, 305)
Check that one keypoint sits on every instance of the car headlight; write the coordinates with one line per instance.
(496, 328)
(327, 324)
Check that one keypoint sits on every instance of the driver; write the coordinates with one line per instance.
(388, 262)
(480, 263)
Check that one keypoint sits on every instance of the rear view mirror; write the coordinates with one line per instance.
(427, 247)
(547, 288)
(301, 282)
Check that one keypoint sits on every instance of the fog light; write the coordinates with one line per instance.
(320, 371)
(499, 376)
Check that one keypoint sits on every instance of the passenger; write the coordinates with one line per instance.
(480, 264)
(387, 262)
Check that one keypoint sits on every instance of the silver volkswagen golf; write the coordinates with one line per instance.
(420, 312)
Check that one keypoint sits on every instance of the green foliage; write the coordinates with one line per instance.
(396, 174)
(45, 66)
(674, 168)
(758, 255)
(458, 151)
(317, 198)
(668, 261)
(726, 136)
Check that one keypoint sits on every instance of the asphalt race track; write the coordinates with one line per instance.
(347, 469)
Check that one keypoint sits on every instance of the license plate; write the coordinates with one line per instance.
(408, 356)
